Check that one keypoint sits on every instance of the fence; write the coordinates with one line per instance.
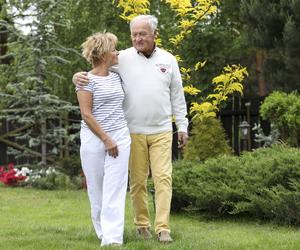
(239, 110)
(45, 151)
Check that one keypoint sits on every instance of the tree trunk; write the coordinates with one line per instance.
(260, 58)
(44, 142)
(66, 139)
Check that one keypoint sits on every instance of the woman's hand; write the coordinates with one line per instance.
(111, 147)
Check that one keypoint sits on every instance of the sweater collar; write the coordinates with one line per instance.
(140, 53)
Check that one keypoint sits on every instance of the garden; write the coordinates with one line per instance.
(236, 184)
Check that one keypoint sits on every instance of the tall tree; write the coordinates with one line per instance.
(29, 106)
(5, 59)
(3, 33)
(274, 30)
(84, 17)
(219, 42)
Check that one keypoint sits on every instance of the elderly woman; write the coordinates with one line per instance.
(105, 139)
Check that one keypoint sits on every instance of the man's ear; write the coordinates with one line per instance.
(156, 34)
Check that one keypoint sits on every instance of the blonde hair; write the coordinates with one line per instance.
(97, 45)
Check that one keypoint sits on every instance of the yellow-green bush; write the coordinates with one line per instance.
(207, 140)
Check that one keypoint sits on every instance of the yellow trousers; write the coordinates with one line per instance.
(154, 152)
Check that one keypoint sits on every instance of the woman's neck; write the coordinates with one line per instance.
(100, 70)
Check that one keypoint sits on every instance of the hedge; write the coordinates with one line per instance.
(263, 184)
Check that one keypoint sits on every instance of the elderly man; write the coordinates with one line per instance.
(153, 95)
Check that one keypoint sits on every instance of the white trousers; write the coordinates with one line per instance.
(106, 179)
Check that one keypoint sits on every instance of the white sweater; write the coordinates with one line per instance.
(153, 92)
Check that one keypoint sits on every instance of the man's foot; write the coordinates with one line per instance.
(164, 237)
(144, 233)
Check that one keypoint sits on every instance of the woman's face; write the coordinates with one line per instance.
(112, 57)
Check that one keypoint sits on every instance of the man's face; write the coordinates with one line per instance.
(142, 37)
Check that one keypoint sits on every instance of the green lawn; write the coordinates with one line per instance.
(44, 220)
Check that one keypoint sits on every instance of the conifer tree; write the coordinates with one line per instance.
(5, 59)
(31, 109)
(3, 32)
(274, 30)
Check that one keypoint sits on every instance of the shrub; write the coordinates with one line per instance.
(263, 184)
(283, 110)
(55, 181)
(207, 140)
(70, 165)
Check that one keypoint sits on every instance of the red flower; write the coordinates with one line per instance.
(10, 166)
(9, 177)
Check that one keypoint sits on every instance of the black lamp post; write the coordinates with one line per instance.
(244, 135)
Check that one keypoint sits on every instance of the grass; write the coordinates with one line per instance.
(43, 220)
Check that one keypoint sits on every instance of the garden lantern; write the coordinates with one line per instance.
(244, 134)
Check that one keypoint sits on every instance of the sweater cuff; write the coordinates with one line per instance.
(182, 128)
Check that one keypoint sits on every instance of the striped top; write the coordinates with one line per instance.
(108, 96)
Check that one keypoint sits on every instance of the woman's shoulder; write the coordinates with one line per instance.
(114, 74)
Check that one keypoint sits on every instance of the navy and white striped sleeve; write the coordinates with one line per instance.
(89, 87)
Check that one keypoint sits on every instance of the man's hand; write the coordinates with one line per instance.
(182, 139)
(80, 79)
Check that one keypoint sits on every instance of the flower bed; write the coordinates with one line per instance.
(11, 176)
(45, 178)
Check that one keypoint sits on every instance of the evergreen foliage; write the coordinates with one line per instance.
(207, 140)
(28, 102)
(84, 18)
(274, 27)
(266, 140)
(263, 184)
(6, 69)
(71, 165)
(283, 111)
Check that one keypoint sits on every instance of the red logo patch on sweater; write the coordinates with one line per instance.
(163, 68)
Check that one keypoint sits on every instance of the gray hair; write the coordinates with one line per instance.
(151, 20)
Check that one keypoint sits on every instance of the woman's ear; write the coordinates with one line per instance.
(103, 58)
